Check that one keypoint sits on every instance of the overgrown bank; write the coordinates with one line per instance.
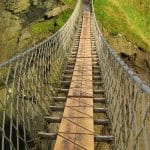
(126, 27)
(121, 17)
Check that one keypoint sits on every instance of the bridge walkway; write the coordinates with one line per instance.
(83, 89)
(76, 128)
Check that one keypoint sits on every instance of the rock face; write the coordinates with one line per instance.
(15, 17)
(24, 39)
(56, 11)
(10, 27)
(17, 6)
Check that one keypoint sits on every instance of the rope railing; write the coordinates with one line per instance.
(128, 98)
(27, 84)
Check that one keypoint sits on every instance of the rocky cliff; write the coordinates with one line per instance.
(16, 17)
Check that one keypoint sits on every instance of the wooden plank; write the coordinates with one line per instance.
(76, 129)
(78, 101)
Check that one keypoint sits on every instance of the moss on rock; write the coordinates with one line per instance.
(18, 6)
(10, 31)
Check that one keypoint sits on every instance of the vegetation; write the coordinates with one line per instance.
(24, 35)
(69, 2)
(51, 25)
(54, 24)
(131, 17)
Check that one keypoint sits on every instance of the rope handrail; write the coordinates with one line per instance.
(28, 82)
(128, 97)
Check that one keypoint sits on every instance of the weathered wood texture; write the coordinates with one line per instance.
(77, 129)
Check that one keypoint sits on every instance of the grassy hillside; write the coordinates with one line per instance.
(130, 17)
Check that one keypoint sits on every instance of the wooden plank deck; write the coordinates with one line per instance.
(76, 129)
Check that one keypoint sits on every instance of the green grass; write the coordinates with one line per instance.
(61, 20)
(70, 2)
(118, 17)
(42, 27)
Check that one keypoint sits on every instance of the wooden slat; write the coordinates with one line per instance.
(77, 128)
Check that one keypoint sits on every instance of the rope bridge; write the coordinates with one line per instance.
(30, 84)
